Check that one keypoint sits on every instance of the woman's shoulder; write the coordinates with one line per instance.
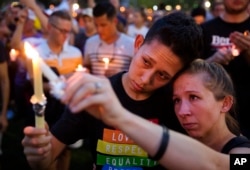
(238, 144)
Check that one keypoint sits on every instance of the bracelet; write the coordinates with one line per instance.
(163, 145)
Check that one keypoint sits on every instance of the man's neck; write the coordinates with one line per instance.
(235, 18)
(54, 47)
(113, 39)
(90, 32)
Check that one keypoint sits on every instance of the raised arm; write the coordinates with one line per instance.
(16, 40)
(95, 94)
(31, 4)
(5, 91)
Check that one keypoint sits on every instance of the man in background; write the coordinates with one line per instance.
(227, 41)
(110, 51)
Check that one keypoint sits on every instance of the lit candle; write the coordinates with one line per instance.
(46, 70)
(235, 51)
(80, 68)
(106, 62)
(57, 83)
(38, 91)
(38, 99)
(13, 54)
(37, 78)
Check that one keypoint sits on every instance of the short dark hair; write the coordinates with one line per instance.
(198, 11)
(103, 8)
(62, 14)
(180, 33)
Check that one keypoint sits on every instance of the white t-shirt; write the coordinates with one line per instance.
(133, 31)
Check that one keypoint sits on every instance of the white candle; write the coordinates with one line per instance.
(106, 62)
(38, 97)
(38, 91)
(37, 79)
(57, 83)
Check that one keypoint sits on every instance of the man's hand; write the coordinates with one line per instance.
(222, 56)
(240, 40)
(29, 3)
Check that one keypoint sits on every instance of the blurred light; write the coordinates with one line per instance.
(207, 4)
(75, 6)
(122, 9)
(178, 7)
(149, 18)
(155, 7)
(168, 7)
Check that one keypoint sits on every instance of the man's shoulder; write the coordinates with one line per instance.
(212, 22)
(125, 37)
(35, 41)
(93, 39)
(72, 49)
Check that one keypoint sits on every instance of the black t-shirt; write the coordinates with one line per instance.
(216, 36)
(236, 142)
(111, 148)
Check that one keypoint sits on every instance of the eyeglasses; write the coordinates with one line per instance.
(63, 31)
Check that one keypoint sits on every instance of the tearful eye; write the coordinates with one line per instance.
(146, 62)
(176, 100)
(193, 97)
(164, 76)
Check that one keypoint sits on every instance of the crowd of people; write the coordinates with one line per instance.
(147, 88)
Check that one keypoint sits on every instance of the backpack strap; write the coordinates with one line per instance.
(238, 141)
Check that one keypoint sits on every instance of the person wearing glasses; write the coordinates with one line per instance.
(142, 90)
(109, 51)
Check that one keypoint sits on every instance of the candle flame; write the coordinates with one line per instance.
(30, 51)
(13, 54)
(235, 51)
(246, 33)
(106, 60)
(80, 68)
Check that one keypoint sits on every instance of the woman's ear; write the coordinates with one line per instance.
(227, 103)
(138, 42)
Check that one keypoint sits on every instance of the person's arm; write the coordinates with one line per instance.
(91, 3)
(242, 42)
(16, 39)
(41, 148)
(95, 95)
(5, 91)
(31, 4)
(182, 152)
